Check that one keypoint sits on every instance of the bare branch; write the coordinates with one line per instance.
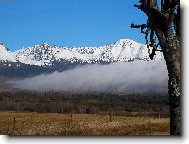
(142, 27)
(137, 6)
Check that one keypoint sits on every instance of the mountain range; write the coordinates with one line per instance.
(47, 58)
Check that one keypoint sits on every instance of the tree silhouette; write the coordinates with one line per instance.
(164, 23)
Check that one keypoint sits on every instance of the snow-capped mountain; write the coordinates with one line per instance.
(122, 50)
(6, 55)
(46, 58)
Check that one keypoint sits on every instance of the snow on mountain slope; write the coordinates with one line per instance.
(6, 55)
(122, 50)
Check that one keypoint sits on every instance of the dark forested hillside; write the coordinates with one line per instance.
(100, 103)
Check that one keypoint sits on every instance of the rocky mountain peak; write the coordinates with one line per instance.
(45, 55)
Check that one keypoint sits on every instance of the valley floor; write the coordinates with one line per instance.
(29, 123)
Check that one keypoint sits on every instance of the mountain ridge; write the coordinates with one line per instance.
(5, 54)
(124, 50)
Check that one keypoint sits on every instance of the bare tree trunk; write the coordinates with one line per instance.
(171, 50)
(161, 21)
(172, 57)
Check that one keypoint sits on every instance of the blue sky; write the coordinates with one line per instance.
(68, 22)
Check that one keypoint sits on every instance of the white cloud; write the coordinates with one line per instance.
(115, 77)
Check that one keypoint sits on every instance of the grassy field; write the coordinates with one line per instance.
(18, 123)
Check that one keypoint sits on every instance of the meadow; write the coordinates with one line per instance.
(32, 123)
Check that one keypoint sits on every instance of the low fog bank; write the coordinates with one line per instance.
(117, 77)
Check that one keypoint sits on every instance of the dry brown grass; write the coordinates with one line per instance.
(81, 124)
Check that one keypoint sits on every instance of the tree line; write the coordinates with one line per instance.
(83, 103)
